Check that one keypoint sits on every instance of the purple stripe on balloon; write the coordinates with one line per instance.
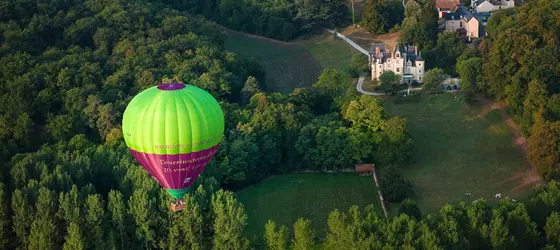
(175, 171)
(171, 86)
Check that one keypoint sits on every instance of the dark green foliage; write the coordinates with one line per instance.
(393, 185)
(250, 88)
(389, 78)
(523, 72)
(433, 80)
(543, 146)
(358, 64)
(380, 16)
(410, 208)
(470, 72)
(312, 14)
(420, 23)
(4, 220)
(444, 55)
(230, 219)
(70, 68)
(283, 20)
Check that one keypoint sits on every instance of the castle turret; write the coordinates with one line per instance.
(419, 58)
(420, 67)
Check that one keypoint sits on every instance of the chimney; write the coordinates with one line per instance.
(377, 50)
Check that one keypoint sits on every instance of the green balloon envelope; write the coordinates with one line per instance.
(173, 130)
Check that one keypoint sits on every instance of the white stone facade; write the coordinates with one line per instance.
(406, 63)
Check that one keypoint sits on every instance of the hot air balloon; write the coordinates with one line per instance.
(173, 130)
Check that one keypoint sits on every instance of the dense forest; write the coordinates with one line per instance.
(68, 70)
(278, 19)
(519, 63)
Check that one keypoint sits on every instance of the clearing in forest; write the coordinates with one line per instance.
(287, 66)
(460, 149)
(285, 198)
(296, 64)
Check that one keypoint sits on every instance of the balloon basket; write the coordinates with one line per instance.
(178, 206)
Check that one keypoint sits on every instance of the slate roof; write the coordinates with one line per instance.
(409, 50)
(381, 49)
(482, 17)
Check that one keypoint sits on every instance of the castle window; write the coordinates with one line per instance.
(419, 71)
(398, 70)
(461, 24)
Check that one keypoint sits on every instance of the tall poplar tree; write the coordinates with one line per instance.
(304, 235)
(229, 221)
(43, 234)
(275, 240)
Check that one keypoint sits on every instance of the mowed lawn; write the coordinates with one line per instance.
(460, 149)
(330, 52)
(287, 66)
(285, 198)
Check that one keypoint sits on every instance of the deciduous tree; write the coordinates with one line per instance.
(304, 235)
(275, 240)
(229, 222)
(433, 79)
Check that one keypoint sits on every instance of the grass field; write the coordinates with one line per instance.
(286, 198)
(461, 149)
(296, 64)
(288, 66)
(330, 52)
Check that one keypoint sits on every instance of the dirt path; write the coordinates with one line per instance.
(527, 176)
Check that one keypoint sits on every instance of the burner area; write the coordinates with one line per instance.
(171, 86)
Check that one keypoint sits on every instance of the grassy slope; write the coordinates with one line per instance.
(288, 66)
(292, 65)
(460, 149)
(286, 198)
(330, 52)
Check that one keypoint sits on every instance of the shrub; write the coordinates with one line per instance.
(358, 64)
(394, 187)
(410, 208)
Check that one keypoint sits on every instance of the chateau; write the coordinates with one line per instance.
(406, 62)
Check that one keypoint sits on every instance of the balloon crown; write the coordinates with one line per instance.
(171, 86)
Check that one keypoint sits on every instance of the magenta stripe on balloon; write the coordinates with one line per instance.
(175, 171)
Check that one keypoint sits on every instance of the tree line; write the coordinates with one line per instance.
(517, 63)
(278, 19)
